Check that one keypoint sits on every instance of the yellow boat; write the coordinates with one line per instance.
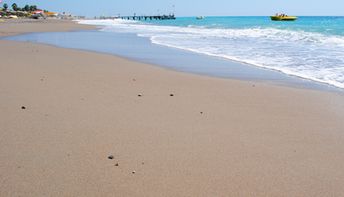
(283, 18)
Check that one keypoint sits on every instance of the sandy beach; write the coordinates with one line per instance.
(63, 112)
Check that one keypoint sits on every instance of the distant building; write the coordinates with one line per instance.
(51, 14)
(38, 12)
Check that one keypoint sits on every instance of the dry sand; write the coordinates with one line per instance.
(13, 27)
(213, 137)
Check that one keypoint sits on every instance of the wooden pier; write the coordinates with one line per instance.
(156, 17)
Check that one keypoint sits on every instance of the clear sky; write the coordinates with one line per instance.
(190, 8)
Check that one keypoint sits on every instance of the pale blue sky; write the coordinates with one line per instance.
(190, 8)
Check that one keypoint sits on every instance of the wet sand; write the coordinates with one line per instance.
(64, 112)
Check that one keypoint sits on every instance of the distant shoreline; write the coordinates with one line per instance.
(11, 27)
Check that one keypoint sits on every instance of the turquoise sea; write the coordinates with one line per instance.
(311, 47)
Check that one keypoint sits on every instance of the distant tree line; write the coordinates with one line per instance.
(26, 8)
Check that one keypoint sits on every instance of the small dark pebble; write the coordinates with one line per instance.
(171, 94)
(201, 112)
(139, 95)
(116, 164)
(23, 107)
(110, 157)
(133, 172)
(143, 163)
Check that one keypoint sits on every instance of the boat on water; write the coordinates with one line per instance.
(283, 17)
(200, 17)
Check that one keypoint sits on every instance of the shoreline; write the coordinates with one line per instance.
(170, 133)
(178, 60)
(237, 46)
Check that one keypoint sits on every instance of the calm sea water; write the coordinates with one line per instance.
(311, 47)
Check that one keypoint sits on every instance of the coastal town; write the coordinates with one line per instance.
(14, 11)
